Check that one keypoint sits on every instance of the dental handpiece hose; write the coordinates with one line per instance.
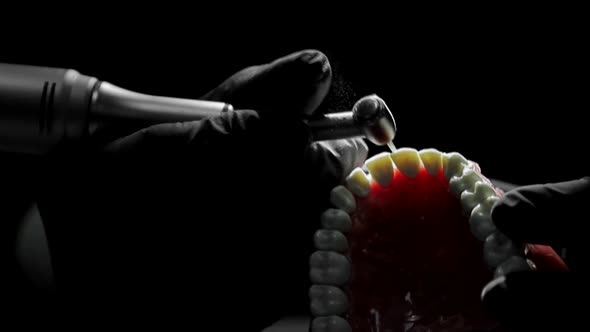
(41, 107)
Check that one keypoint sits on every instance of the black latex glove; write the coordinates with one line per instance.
(206, 222)
(551, 214)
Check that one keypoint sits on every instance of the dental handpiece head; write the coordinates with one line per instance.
(370, 118)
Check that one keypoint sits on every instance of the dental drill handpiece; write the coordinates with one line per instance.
(42, 106)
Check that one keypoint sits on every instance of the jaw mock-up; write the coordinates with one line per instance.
(409, 245)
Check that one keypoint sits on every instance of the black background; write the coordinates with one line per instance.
(507, 91)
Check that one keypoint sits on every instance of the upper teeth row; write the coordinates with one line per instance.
(409, 162)
(330, 267)
(475, 191)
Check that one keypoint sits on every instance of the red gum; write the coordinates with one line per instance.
(418, 241)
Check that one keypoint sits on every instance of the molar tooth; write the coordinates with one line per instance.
(328, 239)
(329, 268)
(336, 219)
(342, 198)
(480, 194)
(380, 167)
(469, 202)
(481, 223)
(483, 191)
(358, 182)
(465, 181)
(327, 300)
(497, 248)
(407, 161)
(432, 160)
(513, 264)
(489, 203)
(330, 324)
(455, 165)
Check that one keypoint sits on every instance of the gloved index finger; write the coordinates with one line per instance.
(544, 214)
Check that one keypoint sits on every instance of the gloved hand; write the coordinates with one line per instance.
(551, 214)
(202, 222)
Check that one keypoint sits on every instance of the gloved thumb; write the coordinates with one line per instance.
(544, 214)
(534, 301)
(292, 85)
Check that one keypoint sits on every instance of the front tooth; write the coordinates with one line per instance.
(465, 181)
(358, 182)
(513, 264)
(481, 223)
(328, 239)
(336, 219)
(497, 248)
(342, 198)
(432, 160)
(455, 165)
(445, 161)
(330, 324)
(327, 300)
(407, 161)
(380, 167)
(329, 268)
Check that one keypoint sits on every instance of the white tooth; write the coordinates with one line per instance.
(327, 300)
(457, 185)
(465, 181)
(445, 161)
(342, 198)
(358, 183)
(327, 239)
(497, 248)
(330, 324)
(513, 264)
(469, 202)
(336, 219)
(329, 268)
(481, 223)
(432, 160)
(380, 167)
(483, 191)
(489, 203)
(455, 165)
(407, 161)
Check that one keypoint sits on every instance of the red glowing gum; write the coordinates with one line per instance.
(415, 263)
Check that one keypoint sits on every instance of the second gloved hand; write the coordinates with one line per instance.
(205, 220)
(552, 214)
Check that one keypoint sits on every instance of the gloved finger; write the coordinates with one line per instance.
(221, 131)
(294, 84)
(544, 214)
(530, 300)
(331, 161)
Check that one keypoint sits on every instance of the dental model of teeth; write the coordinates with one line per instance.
(408, 246)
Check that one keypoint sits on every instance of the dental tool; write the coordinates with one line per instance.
(42, 106)
(370, 118)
